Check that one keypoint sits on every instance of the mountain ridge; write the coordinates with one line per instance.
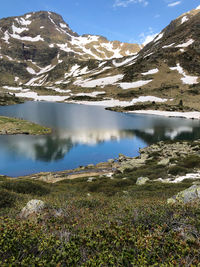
(70, 67)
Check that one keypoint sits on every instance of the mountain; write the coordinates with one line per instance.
(42, 58)
(37, 42)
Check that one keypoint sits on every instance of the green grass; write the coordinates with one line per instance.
(19, 126)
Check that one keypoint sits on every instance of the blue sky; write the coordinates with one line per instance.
(123, 20)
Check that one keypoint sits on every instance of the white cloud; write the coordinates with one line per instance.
(125, 3)
(174, 4)
(147, 37)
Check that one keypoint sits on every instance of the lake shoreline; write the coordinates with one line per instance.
(175, 114)
(170, 156)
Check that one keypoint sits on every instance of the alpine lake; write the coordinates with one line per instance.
(82, 135)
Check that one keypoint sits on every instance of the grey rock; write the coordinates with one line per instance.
(131, 164)
(34, 206)
(186, 196)
(111, 161)
(163, 162)
(142, 180)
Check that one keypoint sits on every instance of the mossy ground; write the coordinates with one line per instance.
(106, 222)
(18, 126)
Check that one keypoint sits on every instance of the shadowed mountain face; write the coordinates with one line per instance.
(41, 54)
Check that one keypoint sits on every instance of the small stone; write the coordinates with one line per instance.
(111, 161)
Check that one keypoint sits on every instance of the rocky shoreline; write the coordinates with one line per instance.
(164, 162)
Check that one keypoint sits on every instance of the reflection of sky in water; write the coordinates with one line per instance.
(83, 135)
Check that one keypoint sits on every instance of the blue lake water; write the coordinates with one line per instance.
(83, 135)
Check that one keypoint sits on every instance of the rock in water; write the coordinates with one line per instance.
(34, 206)
(187, 195)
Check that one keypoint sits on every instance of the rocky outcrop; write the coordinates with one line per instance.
(131, 164)
(166, 151)
(186, 196)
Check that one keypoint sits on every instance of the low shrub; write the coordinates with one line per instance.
(191, 161)
(25, 187)
(175, 170)
(7, 199)
(87, 203)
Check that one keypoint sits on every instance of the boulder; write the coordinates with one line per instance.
(131, 164)
(33, 207)
(125, 167)
(163, 162)
(142, 180)
(187, 195)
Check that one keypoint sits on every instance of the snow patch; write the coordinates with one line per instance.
(115, 102)
(30, 70)
(158, 37)
(64, 26)
(59, 90)
(166, 46)
(186, 79)
(134, 84)
(93, 94)
(153, 71)
(18, 30)
(181, 178)
(6, 37)
(187, 115)
(184, 19)
(188, 43)
(99, 82)
(116, 64)
(12, 88)
(36, 97)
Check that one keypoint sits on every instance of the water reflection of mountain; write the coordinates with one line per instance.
(52, 149)
(55, 147)
(164, 133)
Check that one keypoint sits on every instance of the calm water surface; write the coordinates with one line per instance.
(82, 135)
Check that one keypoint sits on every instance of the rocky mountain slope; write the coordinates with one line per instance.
(42, 58)
(38, 42)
